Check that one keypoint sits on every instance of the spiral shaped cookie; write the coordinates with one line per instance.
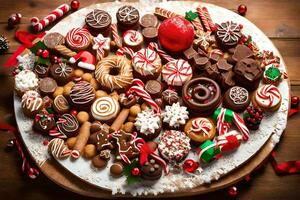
(201, 95)
(267, 97)
(78, 39)
(105, 109)
(118, 64)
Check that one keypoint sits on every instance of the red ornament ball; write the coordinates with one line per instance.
(295, 101)
(45, 54)
(75, 5)
(14, 19)
(73, 112)
(190, 166)
(242, 9)
(135, 171)
(39, 52)
(176, 34)
(232, 191)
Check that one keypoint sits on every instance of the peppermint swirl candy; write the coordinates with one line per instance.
(146, 62)
(201, 125)
(68, 125)
(58, 149)
(82, 93)
(229, 32)
(105, 108)
(267, 96)
(98, 19)
(78, 38)
(177, 72)
(132, 38)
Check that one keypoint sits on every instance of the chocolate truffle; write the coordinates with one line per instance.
(151, 170)
(154, 88)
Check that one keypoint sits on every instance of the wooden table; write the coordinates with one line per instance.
(279, 20)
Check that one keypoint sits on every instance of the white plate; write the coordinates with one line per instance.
(272, 124)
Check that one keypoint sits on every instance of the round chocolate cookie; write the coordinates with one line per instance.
(128, 17)
(201, 95)
(236, 98)
(170, 96)
(154, 88)
(82, 95)
(228, 34)
(151, 170)
(67, 125)
(149, 20)
(98, 21)
(43, 122)
(150, 34)
(47, 86)
(248, 73)
(61, 72)
(41, 70)
(116, 169)
(51, 40)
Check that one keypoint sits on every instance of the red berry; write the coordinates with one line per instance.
(248, 108)
(39, 52)
(245, 39)
(232, 191)
(75, 5)
(248, 119)
(242, 9)
(190, 165)
(135, 171)
(45, 142)
(45, 53)
(250, 45)
(241, 27)
(73, 112)
(54, 59)
(295, 101)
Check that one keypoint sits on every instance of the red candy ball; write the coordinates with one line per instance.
(295, 101)
(135, 171)
(45, 54)
(14, 19)
(242, 9)
(176, 34)
(39, 52)
(232, 191)
(190, 165)
(73, 112)
(75, 5)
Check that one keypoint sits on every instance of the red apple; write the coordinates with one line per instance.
(176, 34)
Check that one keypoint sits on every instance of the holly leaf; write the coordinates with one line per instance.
(37, 46)
(190, 16)
(43, 61)
(127, 172)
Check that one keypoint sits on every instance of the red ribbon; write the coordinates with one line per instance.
(26, 39)
(145, 152)
(293, 111)
(289, 167)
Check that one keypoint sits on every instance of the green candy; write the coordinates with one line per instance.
(273, 73)
(210, 153)
(228, 115)
(190, 16)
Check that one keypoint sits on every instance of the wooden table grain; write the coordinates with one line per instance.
(278, 19)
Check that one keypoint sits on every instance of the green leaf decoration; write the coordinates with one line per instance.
(43, 61)
(37, 46)
(127, 172)
(190, 16)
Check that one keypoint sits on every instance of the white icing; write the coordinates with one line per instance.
(147, 122)
(26, 80)
(26, 61)
(175, 115)
(105, 108)
(133, 38)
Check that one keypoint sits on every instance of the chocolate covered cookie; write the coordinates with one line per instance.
(82, 95)
(67, 125)
(154, 88)
(47, 86)
(98, 21)
(61, 72)
(128, 18)
(151, 170)
(43, 122)
(51, 40)
(149, 20)
(150, 34)
(236, 98)
(41, 70)
(228, 34)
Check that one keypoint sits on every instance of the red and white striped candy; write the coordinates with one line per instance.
(229, 141)
(203, 19)
(163, 54)
(125, 51)
(115, 35)
(39, 25)
(211, 24)
(240, 124)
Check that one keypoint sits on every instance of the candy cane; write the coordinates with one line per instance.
(217, 51)
(222, 126)
(115, 35)
(163, 54)
(212, 25)
(26, 168)
(39, 25)
(203, 19)
(164, 13)
(197, 25)
(125, 50)
(239, 122)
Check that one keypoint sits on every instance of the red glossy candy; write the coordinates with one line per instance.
(295, 101)
(73, 112)
(176, 34)
(242, 9)
(135, 171)
(75, 5)
(190, 165)
(45, 54)
(232, 191)
(14, 19)
(39, 52)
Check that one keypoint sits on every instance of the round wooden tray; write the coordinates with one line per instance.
(58, 174)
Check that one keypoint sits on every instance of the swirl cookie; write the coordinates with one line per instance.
(146, 64)
(25, 80)
(82, 95)
(105, 109)
(201, 95)
(267, 97)
(60, 104)
(78, 39)
(236, 98)
(177, 72)
(200, 129)
(98, 21)
(118, 65)
(133, 39)
(67, 125)
(31, 103)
